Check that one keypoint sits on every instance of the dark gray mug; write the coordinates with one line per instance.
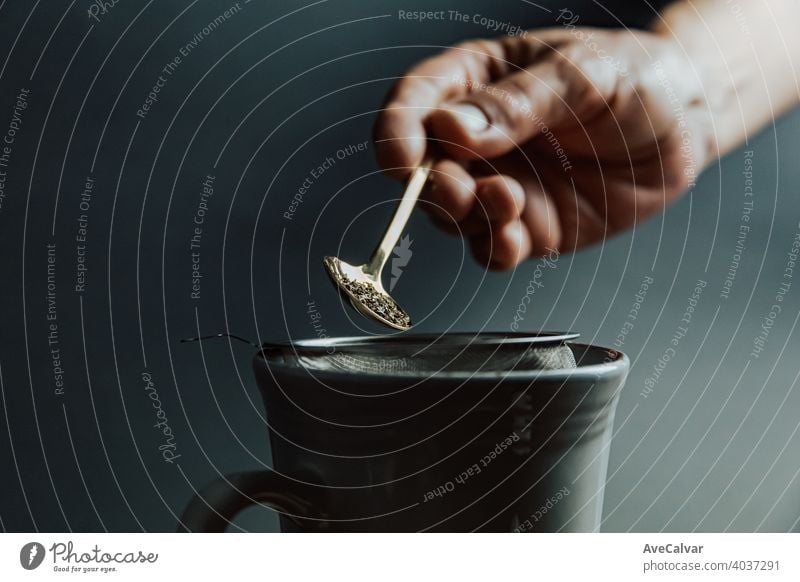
(458, 432)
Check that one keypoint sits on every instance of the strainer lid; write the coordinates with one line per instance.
(428, 353)
(539, 338)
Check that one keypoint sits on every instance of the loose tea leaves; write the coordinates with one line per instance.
(377, 302)
(362, 283)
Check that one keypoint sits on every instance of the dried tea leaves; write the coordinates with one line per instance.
(379, 303)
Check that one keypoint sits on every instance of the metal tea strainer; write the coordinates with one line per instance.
(429, 354)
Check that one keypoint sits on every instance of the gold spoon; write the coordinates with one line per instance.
(362, 284)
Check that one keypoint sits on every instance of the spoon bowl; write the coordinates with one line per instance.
(366, 293)
(362, 284)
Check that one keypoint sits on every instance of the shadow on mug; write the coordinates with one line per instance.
(457, 432)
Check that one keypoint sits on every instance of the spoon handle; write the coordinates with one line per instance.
(401, 216)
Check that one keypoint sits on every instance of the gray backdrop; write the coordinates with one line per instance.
(706, 441)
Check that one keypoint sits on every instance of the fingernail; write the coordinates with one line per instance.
(471, 117)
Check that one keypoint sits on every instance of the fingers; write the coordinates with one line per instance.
(497, 118)
(400, 129)
(505, 219)
(453, 97)
(535, 229)
(504, 247)
(501, 198)
(543, 222)
(450, 192)
(486, 210)
(462, 205)
(535, 233)
(452, 100)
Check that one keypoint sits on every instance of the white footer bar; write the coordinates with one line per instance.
(401, 557)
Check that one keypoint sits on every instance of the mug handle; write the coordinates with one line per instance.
(215, 506)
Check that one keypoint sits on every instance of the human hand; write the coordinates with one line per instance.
(552, 140)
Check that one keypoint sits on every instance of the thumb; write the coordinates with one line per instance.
(493, 119)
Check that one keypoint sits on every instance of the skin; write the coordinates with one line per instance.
(561, 137)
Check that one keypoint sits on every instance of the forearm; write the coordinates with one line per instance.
(746, 55)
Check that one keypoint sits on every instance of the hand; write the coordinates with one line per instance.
(552, 140)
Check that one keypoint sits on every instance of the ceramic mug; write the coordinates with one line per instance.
(457, 432)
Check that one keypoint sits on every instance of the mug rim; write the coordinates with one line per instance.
(616, 363)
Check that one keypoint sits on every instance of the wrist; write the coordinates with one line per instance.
(745, 61)
(716, 75)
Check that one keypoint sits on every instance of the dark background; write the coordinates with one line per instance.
(258, 104)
